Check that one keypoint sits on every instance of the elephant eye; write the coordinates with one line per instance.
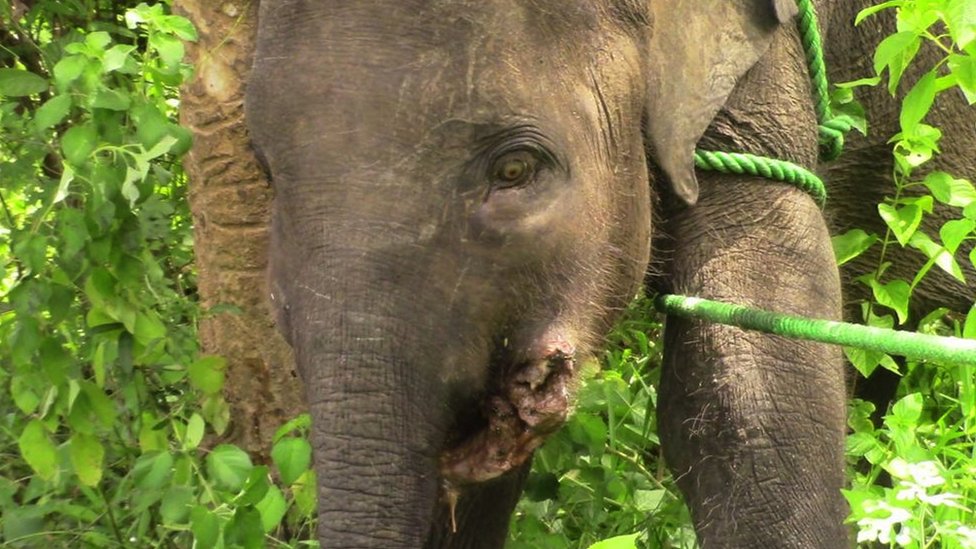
(514, 169)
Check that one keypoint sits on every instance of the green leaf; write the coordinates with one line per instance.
(162, 147)
(22, 522)
(148, 328)
(20, 83)
(960, 18)
(964, 69)
(292, 456)
(866, 361)
(216, 412)
(869, 11)
(68, 69)
(152, 470)
(969, 326)
(949, 190)
(116, 56)
(852, 244)
(301, 422)
(908, 409)
(588, 430)
(110, 99)
(954, 231)
(101, 405)
(893, 295)
(304, 492)
(38, 451)
(903, 221)
(32, 251)
(78, 143)
(872, 81)
(895, 52)
(151, 436)
(169, 48)
(24, 396)
(245, 529)
(86, 454)
(917, 103)
(194, 432)
(129, 189)
(151, 125)
(52, 112)
(916, 149)
(175, 506)
(180, 26)
(649, 500)
(184, 139)
(859, 444)
(937, 254)
(205, 526)
(618, 542)
(272, 508)
(207, 374)
(255, 487)
(98, 40)
(67, 176)
(228, 466)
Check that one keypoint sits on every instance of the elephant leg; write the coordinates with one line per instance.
(752, 424)
(481, 515)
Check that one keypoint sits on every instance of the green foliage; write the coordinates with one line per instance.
(107, 403)
(912, 477)
(112, 413)
(602, 477)
(949, 26)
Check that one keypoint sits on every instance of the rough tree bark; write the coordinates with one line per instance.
(230, 199)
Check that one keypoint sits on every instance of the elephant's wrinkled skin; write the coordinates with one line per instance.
(463, 205)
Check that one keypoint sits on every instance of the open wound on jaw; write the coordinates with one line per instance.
(532, 402)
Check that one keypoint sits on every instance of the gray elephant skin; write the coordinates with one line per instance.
(466, 196)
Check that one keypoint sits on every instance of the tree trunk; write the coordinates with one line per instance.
(230, 199)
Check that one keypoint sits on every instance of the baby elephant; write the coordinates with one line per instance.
(463, 205)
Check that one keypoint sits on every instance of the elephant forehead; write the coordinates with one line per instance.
(407, 69)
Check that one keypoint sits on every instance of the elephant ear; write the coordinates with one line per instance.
(698, 51)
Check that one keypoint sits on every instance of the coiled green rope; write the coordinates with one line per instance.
(832, 128)
(909, 344)
(831, 131)
(770, 168)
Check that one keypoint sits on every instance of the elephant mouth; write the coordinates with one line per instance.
(531, 401)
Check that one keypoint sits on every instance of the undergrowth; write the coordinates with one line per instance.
(107, 404)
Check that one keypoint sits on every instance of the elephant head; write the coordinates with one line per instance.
(462, 207)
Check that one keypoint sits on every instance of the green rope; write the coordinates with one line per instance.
(832, 128)
(831, 132)
(770, 168)
(910, 344)
(812, 47)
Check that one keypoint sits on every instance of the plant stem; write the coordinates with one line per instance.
(111, 517)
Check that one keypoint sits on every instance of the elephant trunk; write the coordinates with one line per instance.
(376, 431)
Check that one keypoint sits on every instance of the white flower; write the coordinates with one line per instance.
(924, 473)
(967, 535)
(880, 528)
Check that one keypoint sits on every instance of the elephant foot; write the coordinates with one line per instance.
(532, 401)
